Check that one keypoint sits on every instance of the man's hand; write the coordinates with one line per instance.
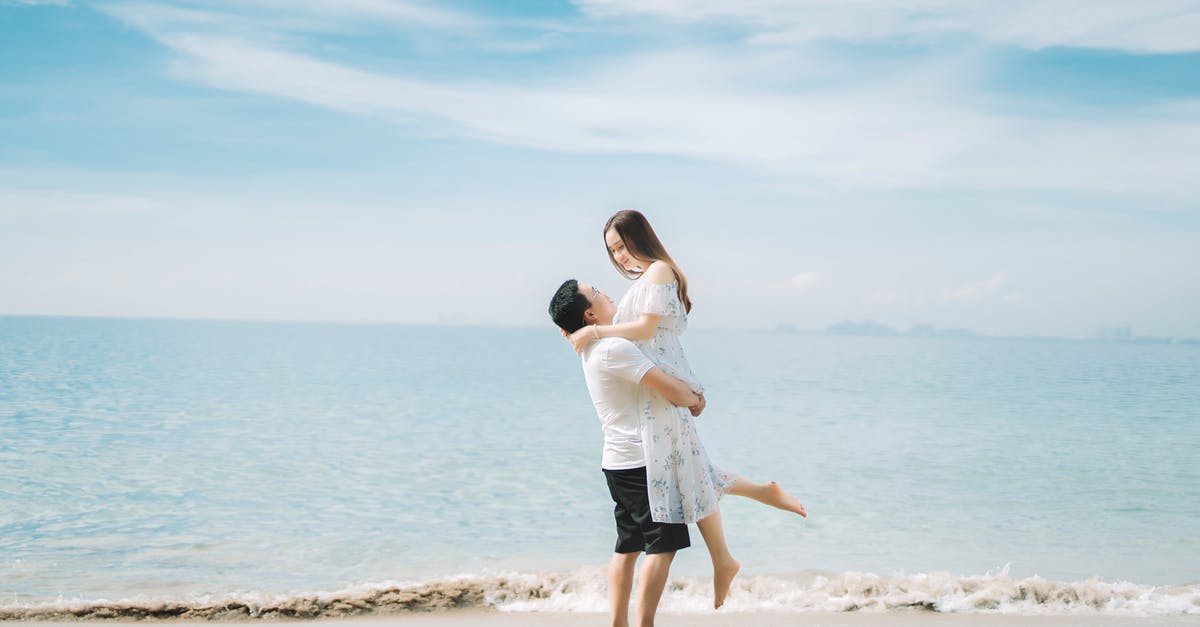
(671, 388)
(698, 407)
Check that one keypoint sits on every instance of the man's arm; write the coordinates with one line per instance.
(671, 388)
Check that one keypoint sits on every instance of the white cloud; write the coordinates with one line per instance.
(35, 3)
(272, 17)
(917, 128)
(395, 11)
(975, 291)
(1149, 26)
(839, 137)
(806, 280)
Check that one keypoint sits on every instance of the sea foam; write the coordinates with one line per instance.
(584, 590)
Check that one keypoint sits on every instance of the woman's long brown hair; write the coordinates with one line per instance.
(642, 243)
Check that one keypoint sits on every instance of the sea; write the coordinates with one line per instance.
(214, 469)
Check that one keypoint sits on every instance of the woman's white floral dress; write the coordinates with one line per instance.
(683, 485)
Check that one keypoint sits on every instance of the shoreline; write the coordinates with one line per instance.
(582, 594)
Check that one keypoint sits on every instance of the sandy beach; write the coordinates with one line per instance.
(768, 619)
(474, 618)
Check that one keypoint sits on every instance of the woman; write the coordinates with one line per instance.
(684, 486)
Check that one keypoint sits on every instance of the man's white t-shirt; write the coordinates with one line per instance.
(613, 368)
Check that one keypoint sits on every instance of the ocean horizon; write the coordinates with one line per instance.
(843, 328)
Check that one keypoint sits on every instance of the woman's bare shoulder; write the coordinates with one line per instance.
(660, 273)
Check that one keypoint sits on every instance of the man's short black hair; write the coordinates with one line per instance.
(568, 305)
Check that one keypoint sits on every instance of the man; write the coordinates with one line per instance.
(616, 371)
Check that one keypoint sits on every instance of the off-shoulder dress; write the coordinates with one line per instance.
(683, 485)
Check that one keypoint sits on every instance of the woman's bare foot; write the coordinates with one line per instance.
(723, 575)
(778, 497)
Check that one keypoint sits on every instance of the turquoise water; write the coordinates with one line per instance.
(176, 458)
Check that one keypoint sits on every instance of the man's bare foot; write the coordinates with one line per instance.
(723, 575)
(778, 497)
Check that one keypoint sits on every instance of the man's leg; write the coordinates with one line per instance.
(630, 542)
(655, 569)
(620, 586)
(659, 540)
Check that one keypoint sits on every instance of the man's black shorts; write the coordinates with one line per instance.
(636, 530)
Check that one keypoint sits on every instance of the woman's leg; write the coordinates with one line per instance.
(769, 493)
(724, 566)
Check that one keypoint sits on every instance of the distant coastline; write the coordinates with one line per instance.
(871, 328)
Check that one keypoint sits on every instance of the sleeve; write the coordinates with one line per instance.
(652, 298)
(628, 362)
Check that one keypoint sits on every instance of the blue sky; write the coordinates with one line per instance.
(1018, 168)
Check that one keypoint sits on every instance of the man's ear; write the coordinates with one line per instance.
(589, 315)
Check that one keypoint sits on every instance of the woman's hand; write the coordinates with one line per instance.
(581, 338)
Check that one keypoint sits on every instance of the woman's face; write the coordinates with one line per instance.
(616, 248)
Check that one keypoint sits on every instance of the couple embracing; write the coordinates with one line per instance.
(646, 397)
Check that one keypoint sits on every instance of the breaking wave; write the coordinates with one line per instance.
(584, 590)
